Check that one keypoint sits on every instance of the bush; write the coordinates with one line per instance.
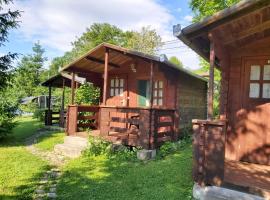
(87, 94)
(39, 114)
(98, 146)
(8, 109)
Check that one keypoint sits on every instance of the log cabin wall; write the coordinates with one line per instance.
(235, 94)
(192, 99)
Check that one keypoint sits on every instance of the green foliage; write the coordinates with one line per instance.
(27, 76)
(39, 114)
(8, 21)
(176, 61)
(98, 146)
(145, 41)
(87, 94)
(203, 8)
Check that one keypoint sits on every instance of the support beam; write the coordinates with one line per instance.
(151, 86)
(211, 80)
(100, 61)
(105, 82)
(72, 88)
(50, 97)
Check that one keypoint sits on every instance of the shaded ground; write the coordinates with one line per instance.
(104, 178)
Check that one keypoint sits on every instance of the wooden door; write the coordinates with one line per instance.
(253, 126)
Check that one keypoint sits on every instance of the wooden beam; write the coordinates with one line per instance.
(100, 61)
(245, 33)
(151, 83)
(211, 80)
(105, 82)
(72, 88)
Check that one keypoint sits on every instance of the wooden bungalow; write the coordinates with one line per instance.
(145, 100)
(58, 116)
(234, 150)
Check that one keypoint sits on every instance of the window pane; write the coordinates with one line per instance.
(266, 72)
(121, 91)
(116, 91)
(116, 82)
(154, 102)
(155, 93)
(160, 93)
(266, 90)
(121, 82)
(255, 71)
(160, 102)
(112, 82)
(254, 90)
(112, 92)
(156, 84)
(160, 84)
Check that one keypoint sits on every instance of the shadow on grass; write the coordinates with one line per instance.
(110, 178)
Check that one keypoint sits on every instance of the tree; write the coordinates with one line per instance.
(8, 102)
(146, 40)
(8, 20)
(176, 61)
(203, 8)
(28, 74)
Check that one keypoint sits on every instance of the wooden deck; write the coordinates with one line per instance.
(253, 178)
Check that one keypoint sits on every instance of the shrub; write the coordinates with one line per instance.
(39, 114)
(87, 94)
(98, 146)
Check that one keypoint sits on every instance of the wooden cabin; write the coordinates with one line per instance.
(234, 150)
(56, 116)
(144, 101)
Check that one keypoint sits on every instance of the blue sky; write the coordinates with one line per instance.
(57, 23)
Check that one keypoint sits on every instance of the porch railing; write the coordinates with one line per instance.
(208, 151)
(80, 117)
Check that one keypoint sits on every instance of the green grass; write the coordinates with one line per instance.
(20, 171)
(108, 178)
(47, 142)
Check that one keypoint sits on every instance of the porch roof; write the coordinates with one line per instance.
(234, 27)
(57, 80)
(93, 60)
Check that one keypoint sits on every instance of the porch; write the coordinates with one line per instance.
(132, 126)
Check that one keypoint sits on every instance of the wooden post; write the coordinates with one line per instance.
(211, 80)
(105, 83)
(151, 86)
(50, 96)
(72, 88)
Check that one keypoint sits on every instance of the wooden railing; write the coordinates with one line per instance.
(208, 151)
(81, 117)
(144, 127)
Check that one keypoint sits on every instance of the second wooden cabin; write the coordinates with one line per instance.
(144, 100)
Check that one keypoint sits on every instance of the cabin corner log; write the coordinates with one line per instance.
(208, 151)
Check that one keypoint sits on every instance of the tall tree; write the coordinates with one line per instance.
(146, 40)
(205, 8)
(176, 61)
(201, 9)
(8, 20)
(28, 73)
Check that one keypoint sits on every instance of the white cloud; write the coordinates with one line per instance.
(57, 23)
(188, 18)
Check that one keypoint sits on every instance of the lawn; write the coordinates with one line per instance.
(47, 142)
(19, 170)
(107, 178)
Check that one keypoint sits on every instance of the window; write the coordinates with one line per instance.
(259, 86)
(116, 87)
(158, 93)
